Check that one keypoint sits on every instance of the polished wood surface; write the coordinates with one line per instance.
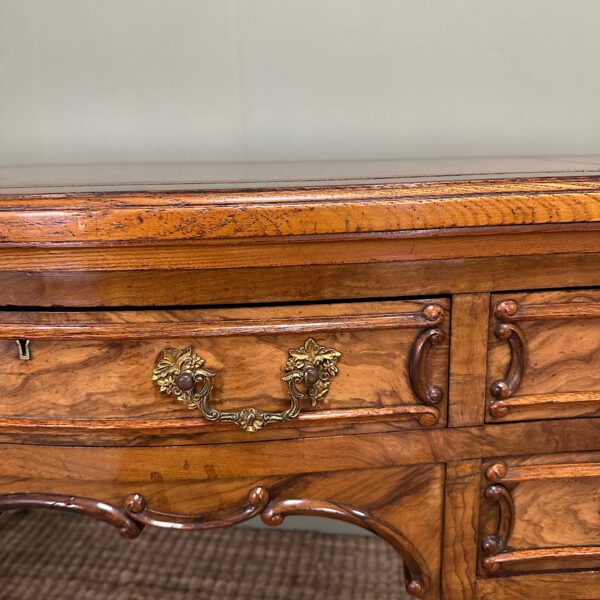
(102, 220)
(461, 515)
(462, 427)
(550, 586)
(76, 289)
(354, 249)
(470, 314)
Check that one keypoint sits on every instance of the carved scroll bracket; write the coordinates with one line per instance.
(414, 564)
(83, 506)
(137, 509)
(137, 513)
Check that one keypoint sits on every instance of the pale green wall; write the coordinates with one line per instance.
(154, 80)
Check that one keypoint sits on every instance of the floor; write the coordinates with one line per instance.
(48, 555)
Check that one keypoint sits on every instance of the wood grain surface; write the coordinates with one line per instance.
(470, 317)
(135, 217)
(303, 250)
(550, 586)
(305, 454)
(300, 283)
(461, 515)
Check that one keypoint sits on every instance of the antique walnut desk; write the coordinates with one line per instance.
(413, 348)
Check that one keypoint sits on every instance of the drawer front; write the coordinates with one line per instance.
(544, 356)
(242, 371)
(184, 488)
(540, 514)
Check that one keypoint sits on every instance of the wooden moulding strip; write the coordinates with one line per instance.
(509, 311)
(562, 400)
(500, 472)
(431, 315)
(425, 415)
(519, 557)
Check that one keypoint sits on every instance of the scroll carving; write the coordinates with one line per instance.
(83, 506)
(138, 510)
(504, 388)
(416, 580)
(137, 514)
(495, 543)
(427, 393)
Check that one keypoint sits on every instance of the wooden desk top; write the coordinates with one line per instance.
(194, 203)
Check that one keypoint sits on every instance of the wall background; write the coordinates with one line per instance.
(222, 80)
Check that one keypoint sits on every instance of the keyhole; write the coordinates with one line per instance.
(23, 346)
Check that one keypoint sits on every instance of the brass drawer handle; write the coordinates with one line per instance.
(181, 373)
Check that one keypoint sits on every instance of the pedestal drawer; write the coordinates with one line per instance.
(540, 514)
(544, 356)
(252, 371)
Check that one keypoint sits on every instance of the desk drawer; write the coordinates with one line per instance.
(544, 356)
(246, 371)
(541, 514)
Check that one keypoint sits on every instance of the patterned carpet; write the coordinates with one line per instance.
(51, 556)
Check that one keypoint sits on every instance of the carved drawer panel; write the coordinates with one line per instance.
(257, 370)
(544, 356)
(186, 488)
(540, 514)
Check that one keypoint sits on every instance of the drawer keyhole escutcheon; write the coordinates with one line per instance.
(24, 352)
(181, 373)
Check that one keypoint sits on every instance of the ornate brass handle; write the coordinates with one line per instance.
(181, 373)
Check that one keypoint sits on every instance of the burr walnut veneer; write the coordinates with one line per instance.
(412, 348)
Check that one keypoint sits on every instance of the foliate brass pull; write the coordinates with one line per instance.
(181, 373)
